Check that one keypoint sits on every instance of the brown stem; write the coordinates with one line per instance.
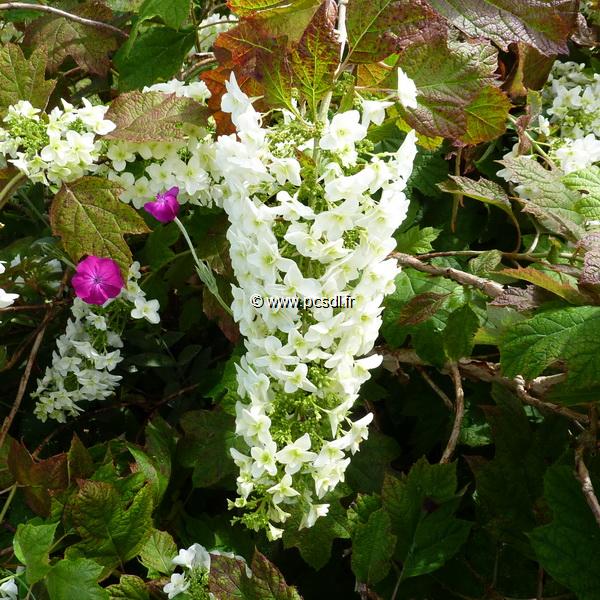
(25, 378)
(459, 410)
(583, 475)
(30, 362)
(546, 406)
(64, 14)
(490, 373)
(491, 288)
(434, 386)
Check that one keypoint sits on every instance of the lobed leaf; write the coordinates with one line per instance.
(570, 334)
(23, 79)
(545, 25)
(379, 28)
(89, 217)
(88, 46)
(449, 76)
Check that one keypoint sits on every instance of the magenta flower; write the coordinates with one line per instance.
(97, 279)
(165, 207)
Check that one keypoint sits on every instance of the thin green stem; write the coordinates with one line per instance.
(7, 502)
(204, 271)
(8, 189)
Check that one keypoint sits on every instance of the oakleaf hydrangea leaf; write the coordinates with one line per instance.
(89, 217)
(23, 79)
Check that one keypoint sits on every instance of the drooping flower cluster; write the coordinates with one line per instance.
(87, 354)
(54, 147)
(308, 228)
(6, 299)
(571, 119)
(179, 163)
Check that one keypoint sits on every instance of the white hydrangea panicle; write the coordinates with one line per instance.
(56, 147)
(570, 120)
(88, 353)
(305, 233)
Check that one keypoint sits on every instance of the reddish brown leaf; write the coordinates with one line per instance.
(88, 46)
(420, 308)
(378, 28)
(38, 479)
(521, 298)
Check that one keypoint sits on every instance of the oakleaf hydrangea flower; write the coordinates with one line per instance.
(165, 207)
(97, 280)
(9, 590)
(54, 147)
(407, 90)
(321, 231)
(6, 299)
(88, 353)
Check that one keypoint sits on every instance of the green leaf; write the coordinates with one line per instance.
(459, 333)
(315, 58)
(570, 334)
(543, 25)
(79, 460)
(111, 532)
(549, 281)
(88, 46)
(228, 579)
(367, 469)
(23, 79)
(510, 485)
(429, 169)
(449, 75)
(548, 198)
(89, 217)
(156, 55)
(78, 578)
(158, 551)
(565, 546)
(422, 506)
(129, 587)
(153, 116)
(483, 190)
(379, 28)
(487, 115)
(416, 240)
(315, 542)
(373, 546)
(32, 545)
(155, 461)
(411, 283)
(205, 446)
(173, 13)
(588, 183)
(486, 262)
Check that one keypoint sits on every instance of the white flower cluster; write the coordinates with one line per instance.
(325, 229)
(571, 119)
(6, 299)
(184, 164)
(195, 561)
(55, 147)
(89, 351)
(9, 590)
(211, 27)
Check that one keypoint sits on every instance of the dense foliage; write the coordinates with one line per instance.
(420, 178)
